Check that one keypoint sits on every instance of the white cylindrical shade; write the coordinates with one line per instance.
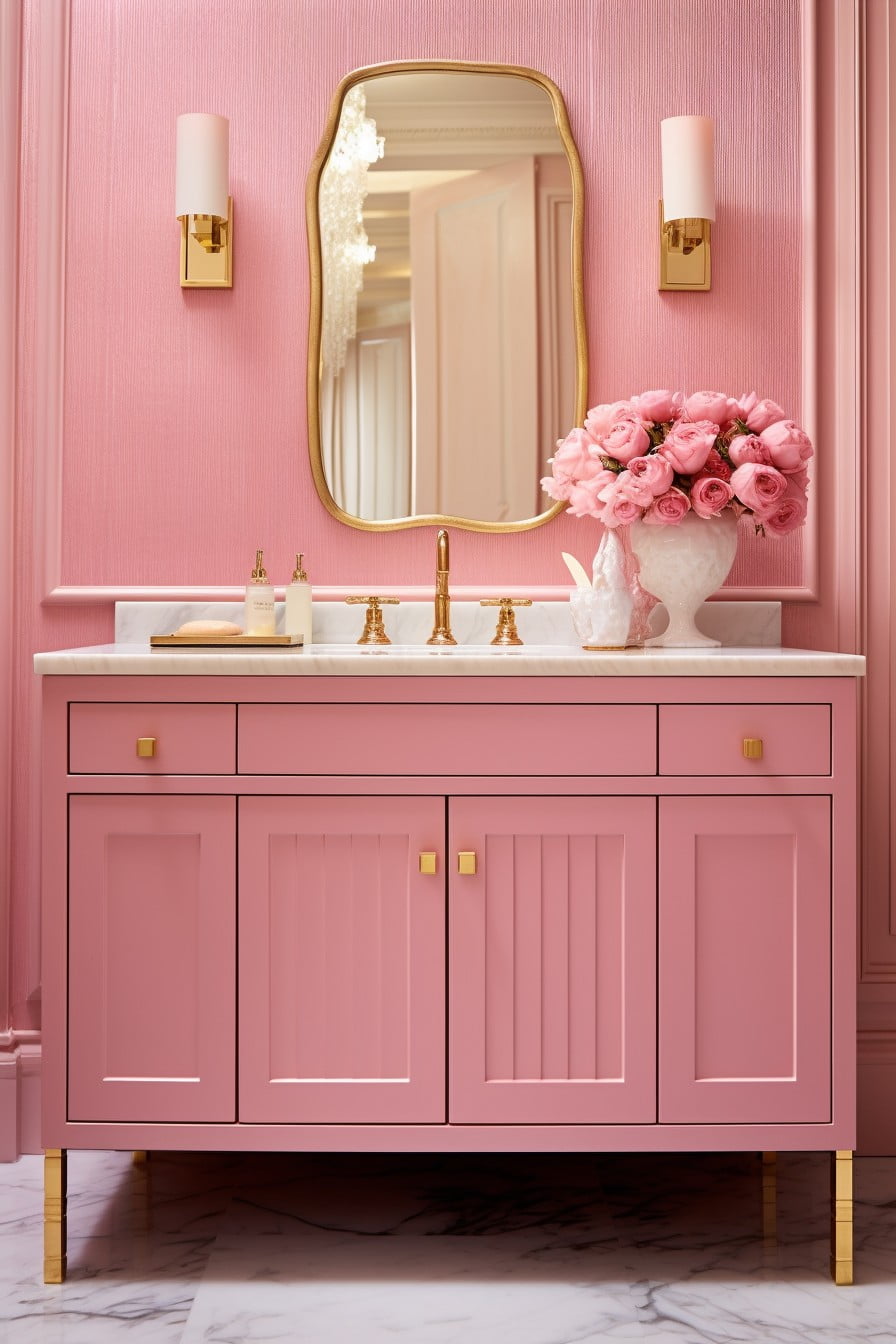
(688, 187)
(202, 164)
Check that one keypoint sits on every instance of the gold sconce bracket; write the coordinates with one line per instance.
(506, 632)
(374, 631)
(206, 250)
(685, 255)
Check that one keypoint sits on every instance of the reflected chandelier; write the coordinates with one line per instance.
(344, 246)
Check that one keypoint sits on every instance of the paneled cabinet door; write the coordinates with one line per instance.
(745, 960)
(151, 982)
(552, 962)
(342, 952)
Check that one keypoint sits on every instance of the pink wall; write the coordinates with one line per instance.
(181, 423)
(185, 440)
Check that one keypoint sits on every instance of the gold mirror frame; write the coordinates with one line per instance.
(316, 298)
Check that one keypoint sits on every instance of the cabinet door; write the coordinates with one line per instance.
(745, 960)
(151, 983)
(342, 949)
(553, 961)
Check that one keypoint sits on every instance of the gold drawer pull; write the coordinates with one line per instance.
(753, 748)
(428, 864)
(466, 862)
(146, 746)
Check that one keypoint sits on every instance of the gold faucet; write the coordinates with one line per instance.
(441, 631)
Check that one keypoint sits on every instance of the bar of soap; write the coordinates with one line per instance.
(208, 628)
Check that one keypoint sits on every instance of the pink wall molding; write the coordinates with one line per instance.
(52, 135)
(10, 89)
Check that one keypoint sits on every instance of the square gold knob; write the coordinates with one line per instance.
(753, 748)
(466, 863)
(428, 864)
(146, 746)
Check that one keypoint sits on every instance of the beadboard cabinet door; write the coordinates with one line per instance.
(552, 961)
(151, 955)
(342, 954)
(745, 960)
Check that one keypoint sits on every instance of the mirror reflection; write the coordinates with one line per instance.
(451, 346)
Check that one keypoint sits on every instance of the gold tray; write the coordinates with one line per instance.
(226, 641)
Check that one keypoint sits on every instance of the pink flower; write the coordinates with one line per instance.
(600, 419)
(710, 496)
(715, 465)
(625, 439)
(748, 448)
(668, 508)
(688, 445)
(658, 406)
(788, 514)
(618, 509)
(556, 489)
(758, 487)
(585, 496)
(714, 406)
(634, 488)
(789, 445)
(572, 455)
(654, 472)
(758, 414)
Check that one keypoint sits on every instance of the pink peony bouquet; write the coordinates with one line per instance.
(660, 455)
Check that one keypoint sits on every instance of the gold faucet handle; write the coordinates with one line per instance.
(374, 632)
(506, 632)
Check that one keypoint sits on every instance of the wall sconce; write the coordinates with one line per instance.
(202, 203)
(688, 203)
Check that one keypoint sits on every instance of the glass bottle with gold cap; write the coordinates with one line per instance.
(297, 620)
(260, 619)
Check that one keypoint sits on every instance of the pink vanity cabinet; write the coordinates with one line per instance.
(448, 914)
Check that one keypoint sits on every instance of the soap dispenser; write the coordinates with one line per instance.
(260, 618)
(297, 620)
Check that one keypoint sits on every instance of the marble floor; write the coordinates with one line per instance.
(364, 1249)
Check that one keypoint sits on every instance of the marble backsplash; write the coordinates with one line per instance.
(736, 624)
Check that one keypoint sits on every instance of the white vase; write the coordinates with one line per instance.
(682, 564)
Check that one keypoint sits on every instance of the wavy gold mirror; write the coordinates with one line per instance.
(447, 345)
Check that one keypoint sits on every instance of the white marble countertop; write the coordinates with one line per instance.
(532, 660)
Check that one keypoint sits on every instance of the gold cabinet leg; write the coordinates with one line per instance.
(140, 1155)
(55, 1162)
(769, 1199)
(841, 1216)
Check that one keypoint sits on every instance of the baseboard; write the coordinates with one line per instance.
(877, 1093)
(19, 1096)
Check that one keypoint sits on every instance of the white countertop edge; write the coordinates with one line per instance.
(543, 660)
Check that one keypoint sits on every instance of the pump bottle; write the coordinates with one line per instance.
(260, 618)
(297, 620)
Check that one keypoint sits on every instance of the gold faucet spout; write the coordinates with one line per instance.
(441, 631)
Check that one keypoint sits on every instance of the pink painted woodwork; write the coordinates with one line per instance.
(170, 445)
(552, 961)
(151, 991)
(745, 943)
(434, 739)
(342, 960)
(708, 739)
(554, 1039)
(189, 739)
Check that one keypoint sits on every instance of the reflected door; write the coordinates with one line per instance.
(476, 361)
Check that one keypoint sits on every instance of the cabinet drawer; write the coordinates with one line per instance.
(447, 739)
(711, 739)
(188, 739)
